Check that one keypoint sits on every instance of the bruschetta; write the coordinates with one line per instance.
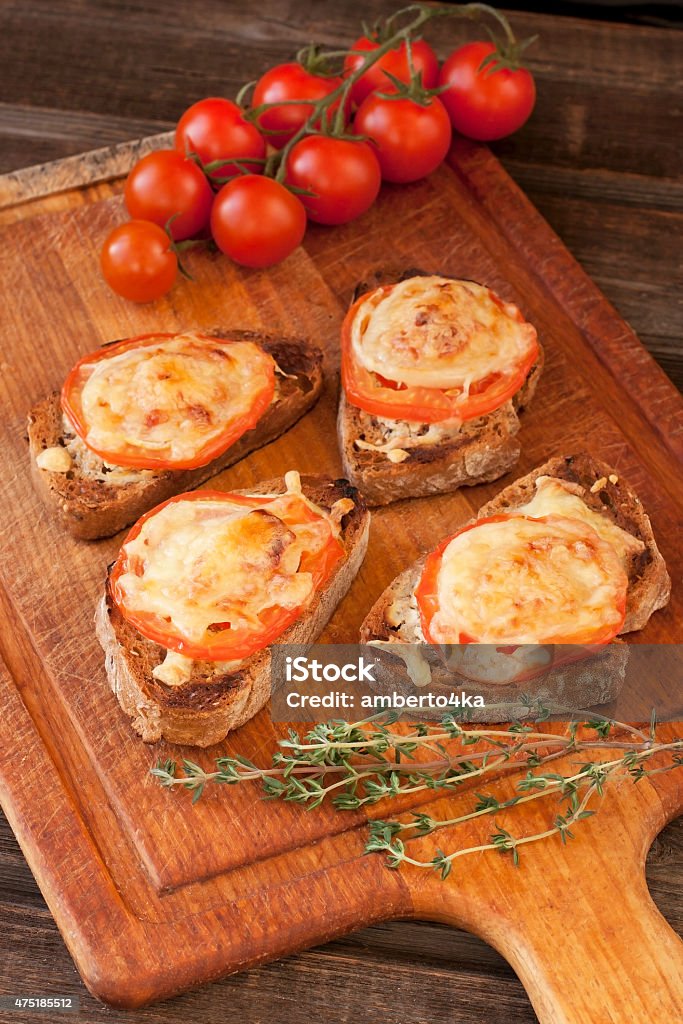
(434, 374)
(143, 419)
(206, 582)
(564, 556)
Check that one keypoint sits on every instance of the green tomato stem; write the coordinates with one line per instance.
(318, 121)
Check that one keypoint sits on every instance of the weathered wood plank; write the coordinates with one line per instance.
(409, 969)
(301, 878)
(603, 139)
(156, 60)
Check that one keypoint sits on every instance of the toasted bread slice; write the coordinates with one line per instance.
(201, 711)
(427, 460)
(481, 451)
(395, 617)
(561, 688)
(649, 582)
(92, 501)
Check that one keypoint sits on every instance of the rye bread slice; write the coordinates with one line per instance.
(649, 582)
(481, 451)
(90, 506)
(394, 616)
(212, 703)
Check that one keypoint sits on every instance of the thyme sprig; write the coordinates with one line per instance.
(359, 763)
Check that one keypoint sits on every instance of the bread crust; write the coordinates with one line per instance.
(202, 711)
(90, 508)
(484, 449)
(649, 583)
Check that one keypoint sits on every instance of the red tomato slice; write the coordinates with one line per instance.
(382, 397)
(428, 604)
(134, 455)
(227, 644)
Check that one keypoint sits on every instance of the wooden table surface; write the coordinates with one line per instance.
(600, 159)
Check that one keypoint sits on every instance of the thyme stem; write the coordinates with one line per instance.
(354, 764)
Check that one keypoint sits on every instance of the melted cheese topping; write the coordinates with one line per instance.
(173, 398)
(398, 435)
(174, 670)
(486, 663)
(556, 497)
(417, 666)
(525, 581)
(93, 466)
(205, 562)
(435, 332)
(55, 460)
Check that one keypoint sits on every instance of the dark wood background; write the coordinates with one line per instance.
(600, 158)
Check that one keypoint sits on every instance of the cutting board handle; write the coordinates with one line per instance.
(619, 963)
(593, 952)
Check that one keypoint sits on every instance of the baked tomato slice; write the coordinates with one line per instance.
(168, 401)
(521, 580)
(217, 576)
(430, 349)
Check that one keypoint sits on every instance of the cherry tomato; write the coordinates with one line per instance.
(410, 139)
(485, 104)
(215, 128)
(137, 261)
(395, 62)
(257, 221)
(289, 82)
(164, 184)
(344, 175)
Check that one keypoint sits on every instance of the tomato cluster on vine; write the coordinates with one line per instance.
(313, 146)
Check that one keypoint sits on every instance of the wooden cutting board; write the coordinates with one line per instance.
(154, 895)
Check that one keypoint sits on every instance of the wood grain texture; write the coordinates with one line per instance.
(403, 972)
(243, 881)
(599, 158)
